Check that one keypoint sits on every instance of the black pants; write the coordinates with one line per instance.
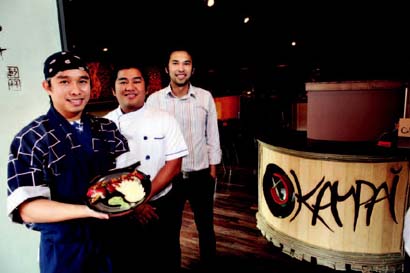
(135, 247)
(198, 188)
(406, 263)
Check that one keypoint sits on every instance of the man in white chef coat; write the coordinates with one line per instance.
(154, 139)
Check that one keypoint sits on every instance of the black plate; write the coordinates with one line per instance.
(102, 204)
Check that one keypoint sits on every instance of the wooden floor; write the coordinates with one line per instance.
(240, 245)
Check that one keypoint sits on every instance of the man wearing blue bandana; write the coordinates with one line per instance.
(51, 162)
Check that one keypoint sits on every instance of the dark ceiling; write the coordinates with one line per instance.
(343, 42)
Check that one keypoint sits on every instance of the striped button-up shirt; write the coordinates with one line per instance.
(197, 117)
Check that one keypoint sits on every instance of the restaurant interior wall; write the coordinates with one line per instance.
(29, 33)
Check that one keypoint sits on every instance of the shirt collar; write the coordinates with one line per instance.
(120, 113)
(191, 92)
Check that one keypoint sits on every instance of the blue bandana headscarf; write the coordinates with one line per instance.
(60, 61)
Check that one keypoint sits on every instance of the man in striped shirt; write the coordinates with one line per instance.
(195, 110)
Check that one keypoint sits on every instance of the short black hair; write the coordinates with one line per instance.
(180, 47)
(120, 65)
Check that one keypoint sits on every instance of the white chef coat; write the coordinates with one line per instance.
(153, 135)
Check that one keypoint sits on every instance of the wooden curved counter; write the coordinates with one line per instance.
(342, 210)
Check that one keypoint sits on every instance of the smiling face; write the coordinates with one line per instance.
(180, 68)
(70, 92)
(129, 89)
